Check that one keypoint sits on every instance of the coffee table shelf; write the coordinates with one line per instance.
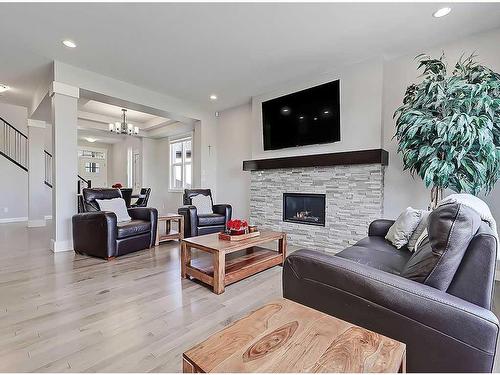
(242, 263)
(230, 261)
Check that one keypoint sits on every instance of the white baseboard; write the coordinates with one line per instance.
(13, 220)
(48, 217)
(60, 246)
(36, 223)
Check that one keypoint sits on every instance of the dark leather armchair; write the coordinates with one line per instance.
(445, 319)
(97, 233)
(142, 201)
(195, 224)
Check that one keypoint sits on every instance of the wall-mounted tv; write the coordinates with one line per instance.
(306, 117)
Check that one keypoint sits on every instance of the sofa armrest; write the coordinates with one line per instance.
(190, 215)
(147, 214)
(442, 332)
(379, 227)
(223, 209)
(94, 233)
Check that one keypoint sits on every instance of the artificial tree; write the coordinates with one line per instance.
(448, 127)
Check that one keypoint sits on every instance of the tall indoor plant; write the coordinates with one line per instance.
(448, 127)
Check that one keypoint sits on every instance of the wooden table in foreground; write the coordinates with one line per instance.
(169, 233)
(230, 261)
(285, 336)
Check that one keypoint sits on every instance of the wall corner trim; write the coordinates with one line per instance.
(60, 246)
(64, 89)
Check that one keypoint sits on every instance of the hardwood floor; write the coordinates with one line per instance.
(69, 313)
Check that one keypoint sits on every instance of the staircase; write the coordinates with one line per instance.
(13, 145)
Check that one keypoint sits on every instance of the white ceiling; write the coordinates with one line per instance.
(191, 50)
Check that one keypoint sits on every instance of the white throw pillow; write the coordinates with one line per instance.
(116, 205)
(203, 204)
(422, 225)
(404, 226)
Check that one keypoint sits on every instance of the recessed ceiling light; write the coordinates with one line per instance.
(4, 88)
(213, 97)
(91, 140)
(326, 112)
(69, 43)
(442, 12)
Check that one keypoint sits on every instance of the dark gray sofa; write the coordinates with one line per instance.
(445, 319)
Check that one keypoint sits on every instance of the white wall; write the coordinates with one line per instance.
(233, 135)
(360, 111)
(401, 190)
(14, 186)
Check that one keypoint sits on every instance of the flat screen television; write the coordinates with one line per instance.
(310, 116)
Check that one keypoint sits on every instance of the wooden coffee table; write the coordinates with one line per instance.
(285, 336)
(230, 261)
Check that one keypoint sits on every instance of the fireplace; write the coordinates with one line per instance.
(304, 208)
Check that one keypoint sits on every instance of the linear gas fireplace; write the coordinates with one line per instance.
(304, 208)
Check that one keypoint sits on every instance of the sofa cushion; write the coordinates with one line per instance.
(450, 229)
(387, 259)
(378, 243)
(132, 228)
(211, 219)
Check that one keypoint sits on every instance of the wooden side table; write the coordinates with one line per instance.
(169, 233)
(287, 337)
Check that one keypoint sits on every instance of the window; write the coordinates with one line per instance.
(181, 164)
(91, 154)
(92, 167)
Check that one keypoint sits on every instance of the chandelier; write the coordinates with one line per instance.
(124, 127)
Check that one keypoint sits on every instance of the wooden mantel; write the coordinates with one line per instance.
(375, 156)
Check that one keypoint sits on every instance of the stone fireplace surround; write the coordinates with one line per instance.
(354, 198)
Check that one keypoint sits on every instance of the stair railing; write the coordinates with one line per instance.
(83, 183)
(48, 168)
(13, 144)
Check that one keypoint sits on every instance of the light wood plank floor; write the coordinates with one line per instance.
(69, 313)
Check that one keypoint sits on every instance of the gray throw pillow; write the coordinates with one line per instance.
(116, 205)
(422, 225)
(203, 204)
(404, 226)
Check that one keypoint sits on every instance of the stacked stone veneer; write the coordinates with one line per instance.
(354, 197)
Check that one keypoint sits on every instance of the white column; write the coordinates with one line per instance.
(65, 158)
(36, 173)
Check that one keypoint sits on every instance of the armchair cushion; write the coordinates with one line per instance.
(211, 219)
(132, 228)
